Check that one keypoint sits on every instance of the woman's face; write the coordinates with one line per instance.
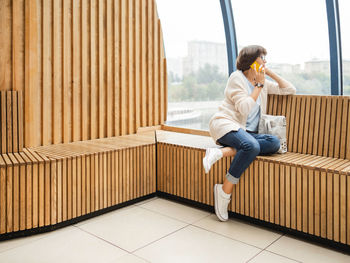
(261, 60)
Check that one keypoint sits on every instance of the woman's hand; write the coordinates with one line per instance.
(260, 75)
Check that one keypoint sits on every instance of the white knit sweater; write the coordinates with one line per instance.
(237, 104)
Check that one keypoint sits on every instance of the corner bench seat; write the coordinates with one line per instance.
(47, 185)
(305, 190)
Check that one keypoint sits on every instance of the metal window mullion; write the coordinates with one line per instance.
(335, 47)
(230, 33)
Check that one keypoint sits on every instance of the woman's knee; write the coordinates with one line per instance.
(275, 143)
(251, 146)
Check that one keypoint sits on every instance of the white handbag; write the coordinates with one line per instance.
(275, 125)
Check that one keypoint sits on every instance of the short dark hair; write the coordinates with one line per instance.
(248, 55)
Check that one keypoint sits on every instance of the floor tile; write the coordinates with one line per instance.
(72, 245)
(193, 244)
(175, 210)
(17, 242)
(297, 249)
(245, 232)
(129, 258)
(146, 201)
(133, 228)
(268, 257)
(98, 218)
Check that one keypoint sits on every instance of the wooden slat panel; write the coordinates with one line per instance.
(256, 189)
(323, 204)
(89, 68)
(109, 69)
(112, 175)
(3, 197)
(79, 186)
(310, 134)
(9, 122)
(344, 128)
(155, 59)
(282, 208)
(150, 46)
(57, 51)
(88, 184)
(322, 140)
(123, 64)
(327, 141)
(348, 211)
(343, 202)
(296, 109)
(85, 68)
(67, 72)
(301, 128)
(60, 175)
(131, 67)
(336, 130)
(317, 197)
(317, 126)
(290, 116)
(299, 199)
(83, 185)
(18, 34)
(22, 191)
(144, 64)
(94, 71)
(54, 191)
(261, 190)
(348, 138)
(20, 120)
(15, 193)
(6, 30)
(116, 68)
(76, 71)
(277, 193)
(329, 211)
(14, 131)
(3, 122)
(9, 194)
(46, 110)
(101, 69)
(311, 202)
(336, 207)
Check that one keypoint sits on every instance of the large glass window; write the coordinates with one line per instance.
(194, 40)
(295, 34)
(344, 8)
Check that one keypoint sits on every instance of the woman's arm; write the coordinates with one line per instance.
(283, 87)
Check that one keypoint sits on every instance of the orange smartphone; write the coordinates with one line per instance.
(256, 66)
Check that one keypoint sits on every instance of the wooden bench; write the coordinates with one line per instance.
(48, 185)
(306, 190)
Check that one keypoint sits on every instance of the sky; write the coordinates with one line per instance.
(291, 31)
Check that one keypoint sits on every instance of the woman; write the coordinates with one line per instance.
(235, 125)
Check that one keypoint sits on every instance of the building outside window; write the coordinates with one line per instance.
(195, 47)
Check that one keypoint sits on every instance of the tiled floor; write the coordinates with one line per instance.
(159, 230)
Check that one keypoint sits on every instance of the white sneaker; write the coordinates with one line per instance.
(221, 202)
(211, 156)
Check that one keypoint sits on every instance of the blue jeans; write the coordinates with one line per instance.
(248, 146)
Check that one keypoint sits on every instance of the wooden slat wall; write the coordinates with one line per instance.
(316, 125)
(44, 187)
(88, 69)
(11, 118)
(311, 200)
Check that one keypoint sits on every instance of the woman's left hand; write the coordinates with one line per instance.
(260, 75)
